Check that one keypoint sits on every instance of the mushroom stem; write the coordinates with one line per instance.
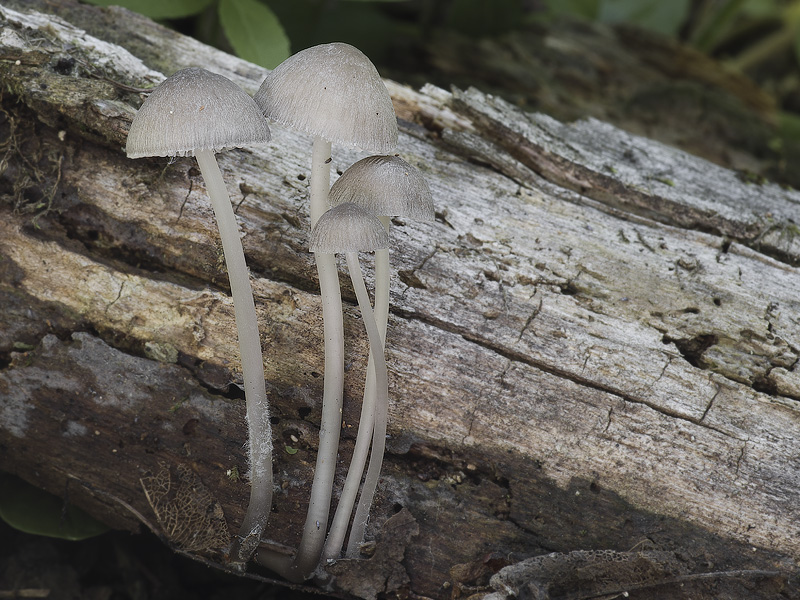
(320, 178)
(382, 276)
(347, 499)
(380, 409)
(258, 425)
(316, 525)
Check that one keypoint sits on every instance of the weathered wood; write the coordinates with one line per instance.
(595, 344)
(642, 83)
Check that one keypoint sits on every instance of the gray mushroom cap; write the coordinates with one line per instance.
(331, 91)
(192, 110)
(386, 186)
(348, 228)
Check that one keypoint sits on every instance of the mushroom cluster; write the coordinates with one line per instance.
(334, 93)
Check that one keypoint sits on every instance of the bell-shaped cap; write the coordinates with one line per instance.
(348, 228)
(386, 186)
(192, 110)
(331, 91)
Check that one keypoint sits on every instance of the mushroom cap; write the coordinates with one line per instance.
(331, 91)
(386, 186)
(194, 109)
(348, 228)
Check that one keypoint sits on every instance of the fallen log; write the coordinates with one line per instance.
(594, 347)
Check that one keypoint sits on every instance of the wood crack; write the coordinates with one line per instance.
(531, 317)
(710, 402)
(552, 370)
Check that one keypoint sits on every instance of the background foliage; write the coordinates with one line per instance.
(265, 31)
(760, 38)
(32, 510)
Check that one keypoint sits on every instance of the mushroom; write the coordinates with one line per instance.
(195, 112)
(334, 93)
(389, 187)
(348, 228)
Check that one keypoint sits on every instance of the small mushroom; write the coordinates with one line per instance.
(348, 228)
(386, 186)
(333, 92)
(389, 187)
(196, 112)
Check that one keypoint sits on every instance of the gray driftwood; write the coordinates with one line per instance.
(595, 346)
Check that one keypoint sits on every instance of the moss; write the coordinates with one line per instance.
(30, 161)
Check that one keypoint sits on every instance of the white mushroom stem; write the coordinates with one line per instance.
(316, 525)
(320, 178)
(382, 276)
(382, 279)
(382, 284)
(380, 412)
(258, 424)
(347, 499)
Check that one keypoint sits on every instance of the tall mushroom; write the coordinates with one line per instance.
(334, 93)
(195, 112)
(386, 186)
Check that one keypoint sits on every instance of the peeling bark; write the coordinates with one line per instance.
(595, 344)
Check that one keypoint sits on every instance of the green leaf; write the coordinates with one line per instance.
(158, 9)
(32, 510)
(254, 32)
(655, 15)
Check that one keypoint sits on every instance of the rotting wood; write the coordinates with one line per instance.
(581, 357)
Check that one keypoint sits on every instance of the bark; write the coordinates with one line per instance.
(595, 345)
